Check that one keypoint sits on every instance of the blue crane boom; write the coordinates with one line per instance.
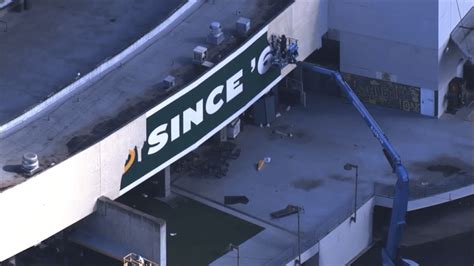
(285, 51)
(400, 201)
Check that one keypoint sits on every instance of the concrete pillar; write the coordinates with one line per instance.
(223, 134)
(167, 182)
(163, 183)
(117, 230)
(26, 4)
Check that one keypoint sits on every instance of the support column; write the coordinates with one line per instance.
(26, 4)
(167, 182)
(223, 134)
(162, 188)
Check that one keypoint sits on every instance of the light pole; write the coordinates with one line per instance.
(299, 237)
(297, 210)
(234, 247)
(290, 210)
(348, 167)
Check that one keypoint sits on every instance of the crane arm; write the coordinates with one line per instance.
(400, 200)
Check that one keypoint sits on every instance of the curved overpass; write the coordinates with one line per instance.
(84, 142)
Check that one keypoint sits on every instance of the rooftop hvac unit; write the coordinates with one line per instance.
(169, 82)
(200, 55)
(243, 26)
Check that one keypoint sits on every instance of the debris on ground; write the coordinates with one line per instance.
(211, 160)
(282, 134)
(289, 210)
(260, 165)
(229, 200)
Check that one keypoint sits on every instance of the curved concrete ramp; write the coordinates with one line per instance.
(48, 47)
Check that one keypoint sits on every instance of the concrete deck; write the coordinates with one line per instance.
(307, 170)
(130, 90)
(45, 47)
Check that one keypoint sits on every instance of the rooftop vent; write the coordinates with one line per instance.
(30, 163)
(216, 36)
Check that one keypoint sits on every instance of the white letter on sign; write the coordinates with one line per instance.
(211, 105)
(233, 86)
(193, 116)
(157, 139)
(265, 60)
(175, 128)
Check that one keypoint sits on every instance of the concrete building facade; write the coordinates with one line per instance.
(404, 42)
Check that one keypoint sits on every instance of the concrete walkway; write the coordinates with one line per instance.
(273, 246)
(307, 169)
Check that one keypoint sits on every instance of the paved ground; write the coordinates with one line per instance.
(110, 103)
(440, 235)
(307, 169)
(46, 46)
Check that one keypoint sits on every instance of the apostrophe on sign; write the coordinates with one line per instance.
(253, 64)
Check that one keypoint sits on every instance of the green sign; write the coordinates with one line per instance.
(185, 120)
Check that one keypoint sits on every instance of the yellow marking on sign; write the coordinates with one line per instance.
(130, 161)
